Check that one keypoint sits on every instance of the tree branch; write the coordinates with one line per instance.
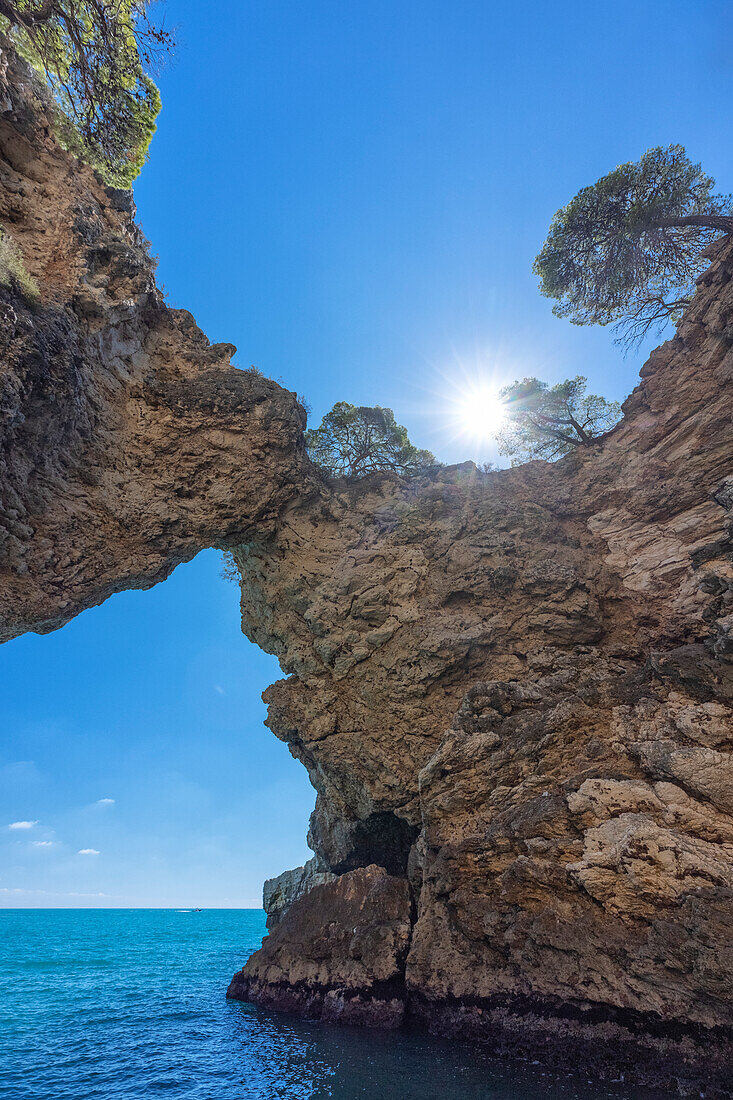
(722, 222)
(28, 19)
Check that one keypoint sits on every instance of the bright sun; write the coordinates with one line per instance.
(480, 412)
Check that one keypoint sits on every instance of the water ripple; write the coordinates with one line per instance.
(130, 1004)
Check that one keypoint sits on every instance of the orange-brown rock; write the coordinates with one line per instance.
(127, 441)
(512, 691)
(338, 954)
(515, 689)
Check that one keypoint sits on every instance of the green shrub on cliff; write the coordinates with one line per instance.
(627, 249)
(13, 273)
(544, 422)
(353, 441)
(229, 569)
(93, 54)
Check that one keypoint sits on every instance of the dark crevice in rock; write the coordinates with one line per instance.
(383, 838)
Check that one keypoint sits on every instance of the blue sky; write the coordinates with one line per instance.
(353, 194)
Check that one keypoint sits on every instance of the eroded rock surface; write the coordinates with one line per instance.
(127, 441)
(514, 691)
(338, 953)
(278, 894)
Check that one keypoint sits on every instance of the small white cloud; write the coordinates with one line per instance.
(17, 890)
(105, 802)
(43, 844)
(88, 852)
(22, 824)
(218, 688)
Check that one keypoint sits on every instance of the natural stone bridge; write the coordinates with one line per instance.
(512, 691)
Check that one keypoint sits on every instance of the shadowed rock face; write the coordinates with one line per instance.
(520, 684)
(278, 894)
(127, 441)
(347, 968)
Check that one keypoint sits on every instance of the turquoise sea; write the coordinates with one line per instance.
(130, 1003)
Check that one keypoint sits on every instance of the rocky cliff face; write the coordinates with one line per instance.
(512, 692)
(127, 440)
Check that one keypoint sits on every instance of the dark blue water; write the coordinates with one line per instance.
(130, 1003)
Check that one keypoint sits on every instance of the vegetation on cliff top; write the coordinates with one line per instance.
(353, 441)
(627, 249)
(94, 55)
(548, 422)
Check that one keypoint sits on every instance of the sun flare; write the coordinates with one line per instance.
(481, 412)
(468, 402)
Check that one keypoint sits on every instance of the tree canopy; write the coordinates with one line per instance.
(353, 441)
(544, 422)
(94, 55)
(627, 249)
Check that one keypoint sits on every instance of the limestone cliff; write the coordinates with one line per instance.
(512, 691)
(127, 441)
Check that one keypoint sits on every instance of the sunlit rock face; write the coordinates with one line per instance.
(514, 691)
(127, 441)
